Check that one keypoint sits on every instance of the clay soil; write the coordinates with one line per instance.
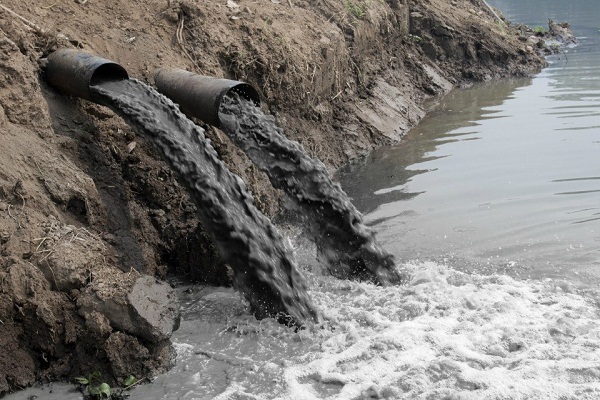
(85, 205)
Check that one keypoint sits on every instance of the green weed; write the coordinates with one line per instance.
(94, 388)
(357, 10)
(415, 38)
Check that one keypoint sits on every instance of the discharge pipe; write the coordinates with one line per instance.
(198, 95)
(73, 72)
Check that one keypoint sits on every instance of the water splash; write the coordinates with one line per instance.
(346, 245)
(264, 268)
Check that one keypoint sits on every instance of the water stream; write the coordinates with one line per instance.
(346, 246)
(264, 268)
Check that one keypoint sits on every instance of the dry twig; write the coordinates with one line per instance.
(180, 38)
(13, 217)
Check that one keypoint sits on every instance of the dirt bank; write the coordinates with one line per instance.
(89, 215)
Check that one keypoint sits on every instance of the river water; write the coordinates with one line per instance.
(498, 184)
(505, 175)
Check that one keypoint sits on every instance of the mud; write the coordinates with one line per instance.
(85, 202)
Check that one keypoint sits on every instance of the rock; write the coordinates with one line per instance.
(562, 32)
(155, 303)
(24, 279)
(128, 356)
(142, 306)
(70, 263)
(99, 111)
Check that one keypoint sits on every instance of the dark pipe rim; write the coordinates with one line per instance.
(201, 96)
(244, 90)
(106, 72)
(75, 72)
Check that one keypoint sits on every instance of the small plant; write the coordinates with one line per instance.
(501, 27)
(92, 386)
(94, 389)
(540, 31)
(357, 10)
(415, 38)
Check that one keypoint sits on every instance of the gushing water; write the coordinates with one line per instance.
(264, 268)
(345, 244)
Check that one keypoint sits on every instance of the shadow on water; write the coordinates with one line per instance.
(447, 122)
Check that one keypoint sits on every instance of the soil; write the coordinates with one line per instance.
(85, 205)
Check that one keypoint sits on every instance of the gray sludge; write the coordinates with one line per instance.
(264, 269)
(345, 244)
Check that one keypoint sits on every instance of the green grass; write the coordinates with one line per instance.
(357, 10)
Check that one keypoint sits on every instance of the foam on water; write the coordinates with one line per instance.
(446, 335)
(452, 335)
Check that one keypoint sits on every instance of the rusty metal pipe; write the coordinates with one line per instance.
(74, 72)
(200, 96)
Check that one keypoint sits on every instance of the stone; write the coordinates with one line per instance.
(141, 306)
(156, 306)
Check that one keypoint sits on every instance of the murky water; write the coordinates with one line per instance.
(346, 246)
(503, 176)
(265, 271)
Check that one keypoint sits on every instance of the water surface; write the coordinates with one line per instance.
(504, 176)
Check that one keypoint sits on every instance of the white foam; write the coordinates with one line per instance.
(446, 335)
(451, 334)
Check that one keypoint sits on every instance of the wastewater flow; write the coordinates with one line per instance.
(264, 268)
(345, 244)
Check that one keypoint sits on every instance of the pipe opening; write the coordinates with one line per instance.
(74, 72)
(108, 72)
(247, 92)
(201, 96)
